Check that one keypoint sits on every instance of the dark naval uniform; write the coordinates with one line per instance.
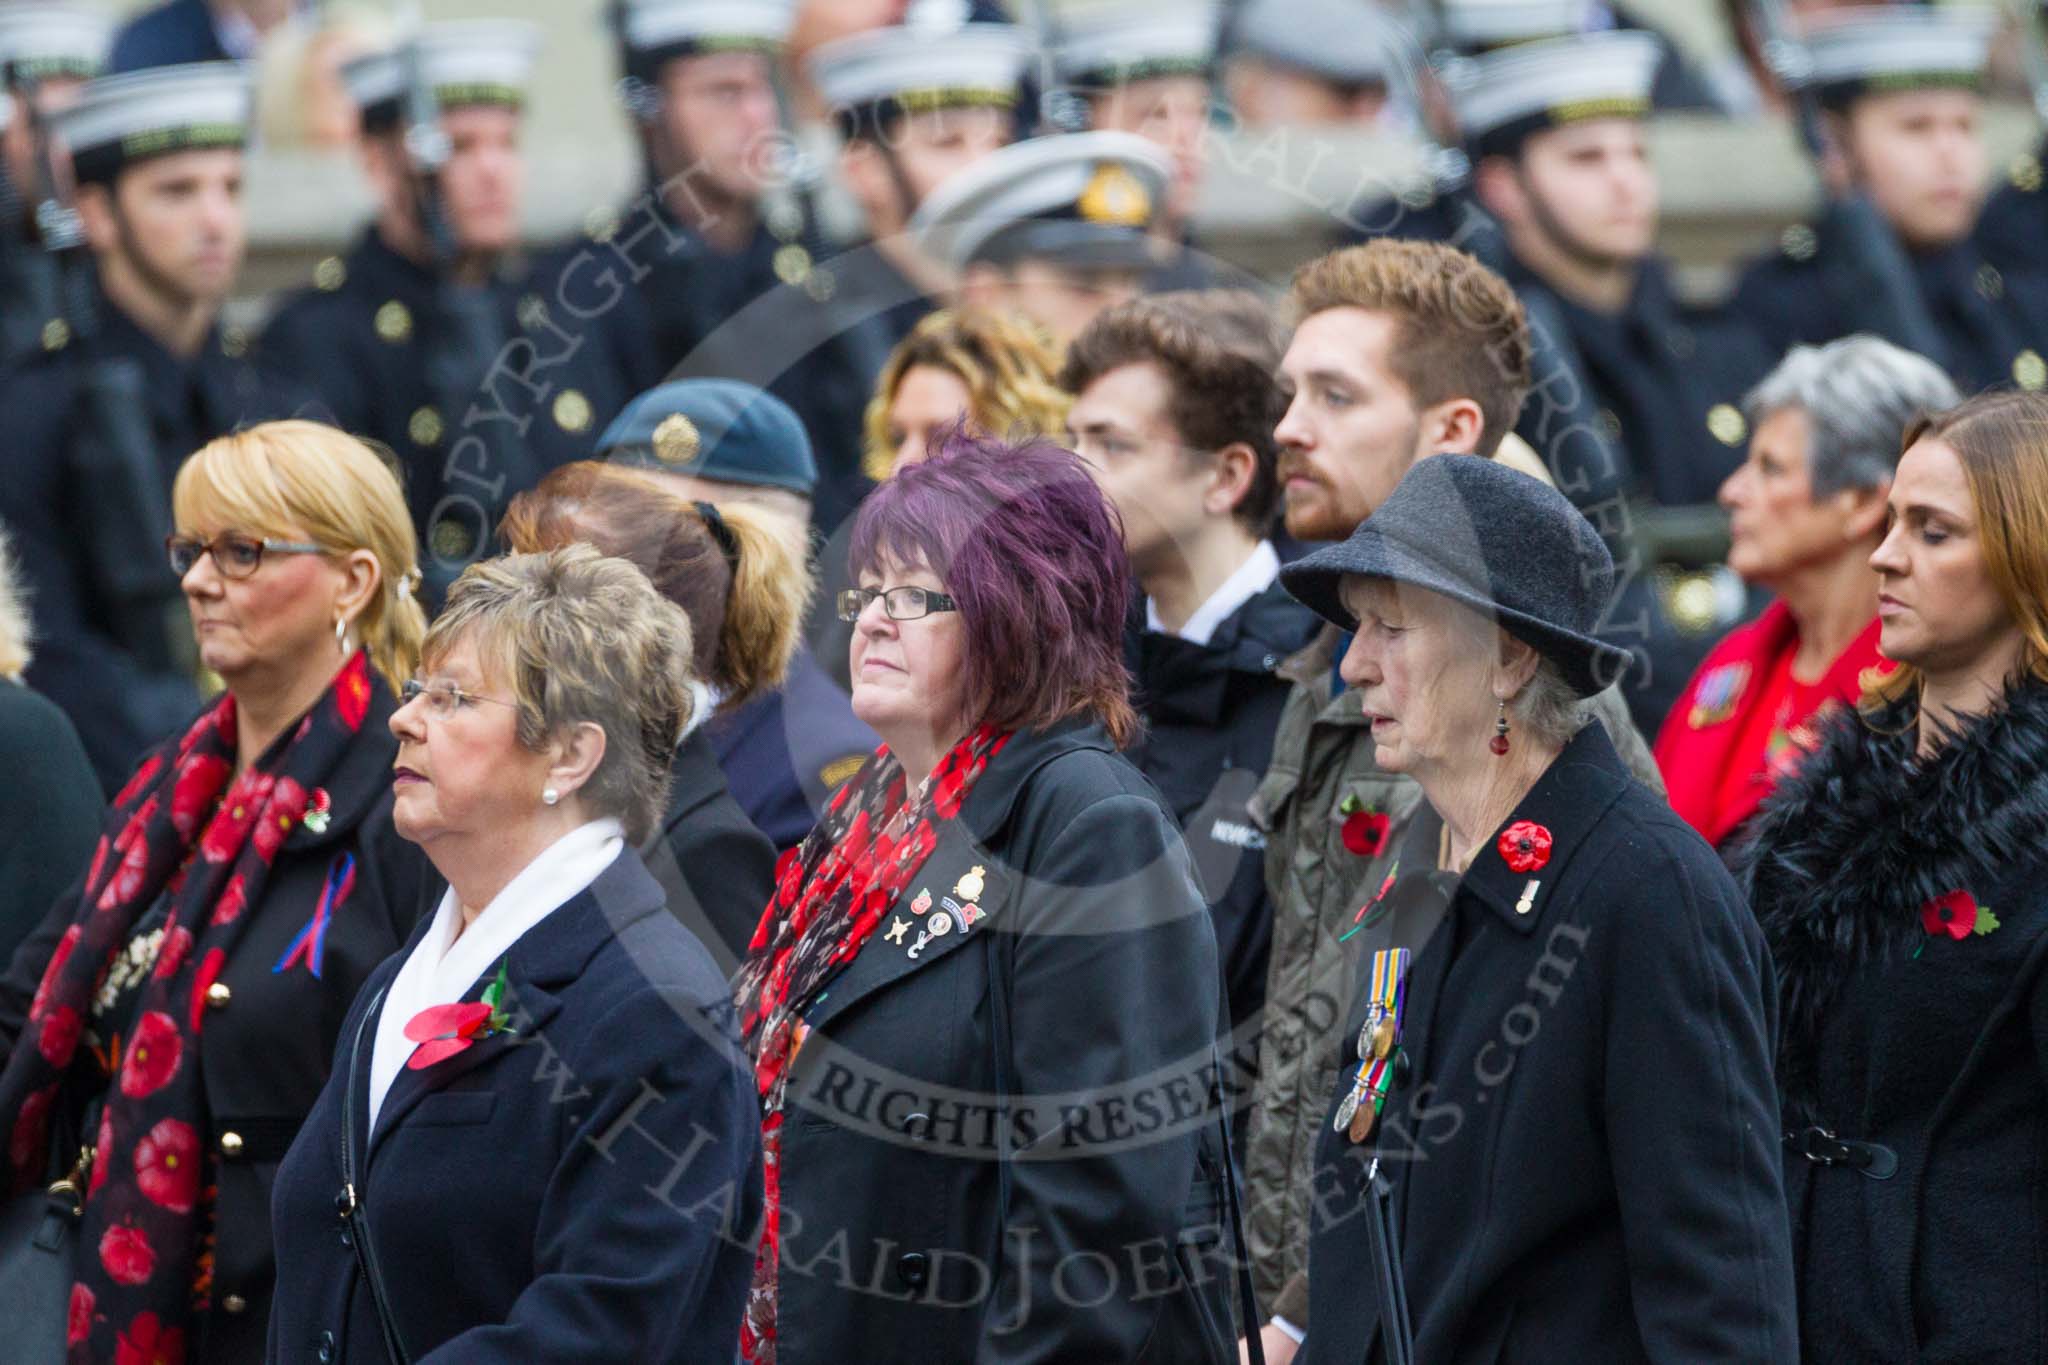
(2012, 231)
(785, 752)
(1993, 323)
(480, 391)
(1668, 381)
(124, 688)
(171, 34)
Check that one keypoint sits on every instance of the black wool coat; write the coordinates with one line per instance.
(1082, 1004)
(50, 820)
(269, 1036)
(582, 1190)
(1583, 1153)
(1931, 1245)
(716, 868)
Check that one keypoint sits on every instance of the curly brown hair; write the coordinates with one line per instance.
(1008, 364)
(1461, 332)
(1218, 349)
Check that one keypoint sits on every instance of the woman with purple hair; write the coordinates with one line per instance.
(983, 1003)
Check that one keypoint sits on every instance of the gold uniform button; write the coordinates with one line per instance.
(1799, 242)
(1610, 424)
(234, 343)
(600, 224)
(1725, 424)
(330, 275)
(394, 322)
(572, 410)
(1990, 284)
(2030, 371)
(2024, 171)
(1691, 603)
(792, 264)
(424, 426)
(218, 995)
(532, 312)
(450, 539)
(231, 1144)
(234, 1303)
(56, 334)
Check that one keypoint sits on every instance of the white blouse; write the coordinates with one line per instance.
(442, 967)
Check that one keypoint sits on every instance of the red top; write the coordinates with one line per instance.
(1744, 722)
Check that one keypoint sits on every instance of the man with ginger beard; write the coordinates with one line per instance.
(436, 335)
(1402, 351)
(98, 423)
(1902, 89)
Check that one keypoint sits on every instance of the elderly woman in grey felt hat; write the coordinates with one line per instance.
(1554, 1133)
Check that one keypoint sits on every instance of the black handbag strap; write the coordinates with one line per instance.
(1000, 981)
(351, 1201)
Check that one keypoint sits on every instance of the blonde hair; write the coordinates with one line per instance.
(582, 638)
(298, 478)
(16, 635)
(747, 617)
(2001, 440)
(1010, 366)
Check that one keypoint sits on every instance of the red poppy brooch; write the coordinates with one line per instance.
(1524, 846)
(444, 1030)
(1956, 915)
(1365, 829)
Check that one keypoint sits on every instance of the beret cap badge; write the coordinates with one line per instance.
(676, 440)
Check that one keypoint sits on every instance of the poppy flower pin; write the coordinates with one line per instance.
(444, 1030)
(1365, 829)
(1524, 846)
(1956, 915)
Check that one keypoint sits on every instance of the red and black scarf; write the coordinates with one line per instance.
(181, 833)
(830, 894)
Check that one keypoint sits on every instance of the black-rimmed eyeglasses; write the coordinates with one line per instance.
(235, 556)
(901, 604)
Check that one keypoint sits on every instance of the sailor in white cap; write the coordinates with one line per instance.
(1056, 228)
(1475, 26)
(915, 103)
(436, 335)
(1145, 68)
(120, 392)
(1902, 89)
(1558, 134)
(47, 53)
(1309, 62)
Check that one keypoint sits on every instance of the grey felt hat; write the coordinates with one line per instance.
(1494, 539)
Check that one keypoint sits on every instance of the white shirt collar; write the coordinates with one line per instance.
(442, 967)
(1251, 578)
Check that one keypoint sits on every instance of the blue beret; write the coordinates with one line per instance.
(714, 429)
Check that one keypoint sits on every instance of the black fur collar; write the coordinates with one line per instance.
(1842, 857)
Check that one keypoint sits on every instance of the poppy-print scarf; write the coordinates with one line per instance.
(830, 894)
(181, 833)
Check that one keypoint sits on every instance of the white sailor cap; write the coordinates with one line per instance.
(465, 61)
(1346, 42)
(1084, 199)
(131, 117)
(1108, 44)
(658, 31)
(50, 41)
(1475, 25)
(1503, 96)
(1874, 48)
(869, 78)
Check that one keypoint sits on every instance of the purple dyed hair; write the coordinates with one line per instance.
(1033, 553)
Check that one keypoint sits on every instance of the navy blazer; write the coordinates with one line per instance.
(585, 1190)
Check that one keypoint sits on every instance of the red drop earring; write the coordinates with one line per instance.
(1499, 742)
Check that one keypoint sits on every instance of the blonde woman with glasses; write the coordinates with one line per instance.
(170, 1023)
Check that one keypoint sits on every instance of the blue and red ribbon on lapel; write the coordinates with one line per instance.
(311, 943)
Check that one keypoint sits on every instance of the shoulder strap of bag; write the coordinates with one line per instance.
(351, 1195)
